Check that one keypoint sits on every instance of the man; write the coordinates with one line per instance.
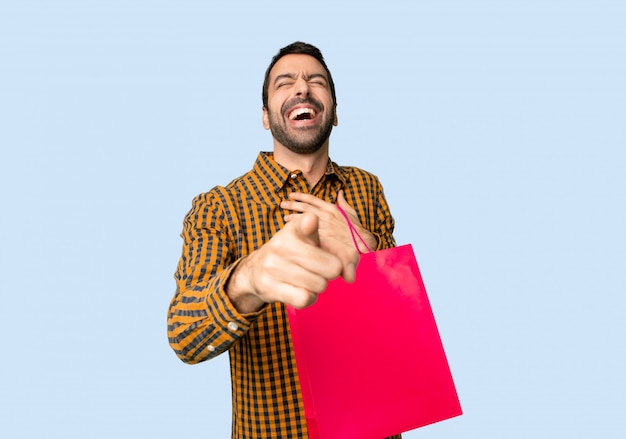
(271, 237)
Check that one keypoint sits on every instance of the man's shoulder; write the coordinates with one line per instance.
(224, 194)
(355, 174)
(220, 192)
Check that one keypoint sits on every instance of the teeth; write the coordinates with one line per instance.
(299, 111)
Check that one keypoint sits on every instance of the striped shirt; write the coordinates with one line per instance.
(223, 226)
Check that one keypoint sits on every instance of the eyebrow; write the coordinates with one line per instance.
(306, 77)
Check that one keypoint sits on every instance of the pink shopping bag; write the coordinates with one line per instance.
(369, 356)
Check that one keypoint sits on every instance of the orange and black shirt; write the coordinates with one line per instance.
(223, 226)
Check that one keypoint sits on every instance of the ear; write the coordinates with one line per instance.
(266, 119)
(336, 120)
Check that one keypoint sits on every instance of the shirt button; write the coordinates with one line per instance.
(211, 348)
(232, 326)
(294, 176)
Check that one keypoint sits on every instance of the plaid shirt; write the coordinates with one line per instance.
(224, 225)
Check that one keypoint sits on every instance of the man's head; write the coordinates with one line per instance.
(303, 49)
(299, 100)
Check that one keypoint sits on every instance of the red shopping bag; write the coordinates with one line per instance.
(369, 356)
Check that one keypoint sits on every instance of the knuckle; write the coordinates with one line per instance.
(320, 285)
(304, 299)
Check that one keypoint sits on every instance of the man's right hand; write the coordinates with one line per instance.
(290, 268)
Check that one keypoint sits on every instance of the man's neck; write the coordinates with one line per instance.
(313, 166)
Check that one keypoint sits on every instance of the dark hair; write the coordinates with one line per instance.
(299, 48)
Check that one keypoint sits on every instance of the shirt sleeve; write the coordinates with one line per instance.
(384, 224)
(202, 322)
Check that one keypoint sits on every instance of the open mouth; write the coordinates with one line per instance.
(303, 113)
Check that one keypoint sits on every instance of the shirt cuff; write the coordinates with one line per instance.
(225, 315)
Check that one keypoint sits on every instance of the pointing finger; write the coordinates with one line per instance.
(306, 228)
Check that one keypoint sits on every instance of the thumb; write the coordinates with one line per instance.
(341, 200)
(343, 204)
(307, 228)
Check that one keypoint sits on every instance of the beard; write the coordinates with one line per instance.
(304, 140)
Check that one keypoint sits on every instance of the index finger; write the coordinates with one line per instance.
(308, 199)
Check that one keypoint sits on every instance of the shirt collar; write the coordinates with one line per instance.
(334, 169)
(276, 175)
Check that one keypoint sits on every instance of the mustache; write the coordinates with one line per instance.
(317, 105)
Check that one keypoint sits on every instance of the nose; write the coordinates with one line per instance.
(301, 87)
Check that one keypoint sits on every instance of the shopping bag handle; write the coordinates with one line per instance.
(354, 233)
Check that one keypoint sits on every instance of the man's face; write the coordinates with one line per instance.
(300, 109)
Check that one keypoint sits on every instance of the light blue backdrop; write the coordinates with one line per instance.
(497, 128)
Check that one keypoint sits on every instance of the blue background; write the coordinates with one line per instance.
(496, 127)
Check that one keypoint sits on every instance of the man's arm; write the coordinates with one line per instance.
(219, 296)
(202, 323)
(383, 221)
